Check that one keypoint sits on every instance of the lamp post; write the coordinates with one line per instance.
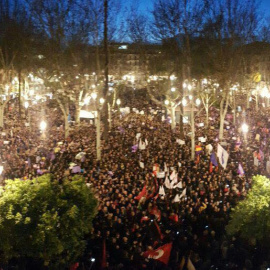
(98, 133)
(245, 131)
(43, 126)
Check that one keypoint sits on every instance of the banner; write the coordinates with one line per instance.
(223, 156)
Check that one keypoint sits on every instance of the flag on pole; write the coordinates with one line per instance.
(167, 183)
(161, 191)
(179, 185)
(198, 149)
(161, 254)
(176, 199)
(184, 193)
(240, 170)
(213, 159)
(223, 156)
(141, 194)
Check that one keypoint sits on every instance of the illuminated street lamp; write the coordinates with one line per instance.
(43, 126)
(173, 89)
(167, 102)
(94, 95)
(118, 101)
(26, 104)
(184, 102)
(198, 102)
(102, 100)
(245, 131)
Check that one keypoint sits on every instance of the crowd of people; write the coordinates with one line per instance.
(150, 192)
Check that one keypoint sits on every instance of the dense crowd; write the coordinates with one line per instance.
(138, 210)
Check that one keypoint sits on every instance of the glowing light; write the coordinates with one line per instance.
(244, 128)
(118, 101)
(184, 102)
(167, 102)
(102, 100)
(198, 102)
(43, 125)
(173, 89)
(94, 95)
(26, 104)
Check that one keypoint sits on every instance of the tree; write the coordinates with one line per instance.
(45, 221)
(225, 33)
(251, 217)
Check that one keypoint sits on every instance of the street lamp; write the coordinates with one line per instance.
(94, 95)
(198, 102)
(118, 101)
(245, 131)
(102, 100)
(173, 89)
(166, 102)
(184, 102)
(26, 104)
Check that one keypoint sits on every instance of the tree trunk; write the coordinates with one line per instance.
(66, 125)
(106, 86)
(110, 116)
(77, 113)
(234, 109)
(98, 135)
(2, 108)
(192, 122)
(172, 112)
(223, 112)
(207, 115)
(20, 91)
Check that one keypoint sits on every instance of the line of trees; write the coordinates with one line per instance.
(62, 41)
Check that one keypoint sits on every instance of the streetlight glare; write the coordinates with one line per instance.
(184, 102)
(198, 102)
(245, 128)
(189, 87)
(102, 100)
(94, 95)
(118, 101)
(26, 104)
(173, 89)
(167, 102)
(43, 125)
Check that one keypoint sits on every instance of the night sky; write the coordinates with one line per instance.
(145, 5)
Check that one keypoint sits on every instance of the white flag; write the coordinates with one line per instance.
(160, 174)
(167, 183)
(179, 185)
(163, 118)
(146, 142)
(180, 142)
(268, 166)
(138, 135)
(256, 162)
(141, 145)
(184, 192)
(176, 198)
(173, 174)
(161, 191)
(174, 181)
(142, 165)
(223, 156)
(165, 167)
(209, 148)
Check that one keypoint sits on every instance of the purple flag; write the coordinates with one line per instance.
(213, 159)
(240, 170)
(134, 148)
(76, 169)
(261, 154)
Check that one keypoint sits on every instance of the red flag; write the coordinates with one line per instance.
(174, 217)
(211, 167)
(159, 231)
(161, 254)
(104, 261)
(156, 212)
(197, 159)
(141, 194)
(74, 266)
(145, 218)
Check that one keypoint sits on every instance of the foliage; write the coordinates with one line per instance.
(44, 220)
(251, 217)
